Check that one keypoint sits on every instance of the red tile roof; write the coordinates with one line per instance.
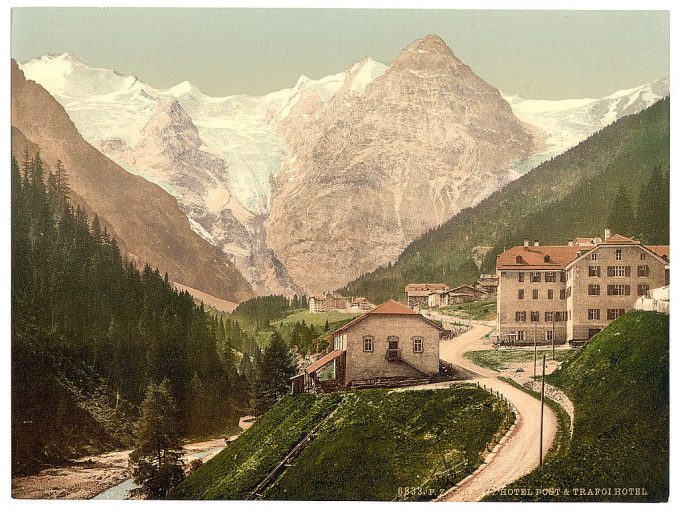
(390, 307)
(615, 238)
(662, 251)
(533, 257)
(323, 361)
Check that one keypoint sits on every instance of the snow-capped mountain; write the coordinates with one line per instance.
(566, 123)
(253, 174)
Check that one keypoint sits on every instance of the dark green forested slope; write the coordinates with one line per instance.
(571, 195)
(619, 385)
(90, 331)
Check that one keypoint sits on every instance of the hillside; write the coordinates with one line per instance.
(145, 219)
(619, 385)
(563, 198)
(375, 444)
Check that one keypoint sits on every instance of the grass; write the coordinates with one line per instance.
(318, 319)
(379, 445)
(483, 310)
(237, 470)
(619, 384)
(500, 360)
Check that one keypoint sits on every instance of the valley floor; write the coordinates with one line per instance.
(88, 477)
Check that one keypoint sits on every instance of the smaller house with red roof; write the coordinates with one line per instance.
(386, 346)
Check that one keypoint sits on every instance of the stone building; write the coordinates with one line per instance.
(386, 344)
(417, 294)
(571, 292)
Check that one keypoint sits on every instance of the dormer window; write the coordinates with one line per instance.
(518, 259)
(546, 258)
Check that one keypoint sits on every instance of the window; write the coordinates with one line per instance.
(618, 271)
(535, 316)
(549, 335)
(568, 291)
(615, 313)
(520, 294)
(535, 277)
(619, 254)
(643, 271)
(593, 256)
(521, 335)
(520, 277)
(643, 256)
(593, 289)
(563, 294)
(593, 271)
(417, 345)
(643, 288)
(546, 258)
(569, 315)
(593, 314)
(339, 341)
(368, 344)
(520, 317)
(563, 277)
(618, 290)
(550, 277)
(518, 259)
(560, 316)
(534, 293)
(549, 316)
(550, 293)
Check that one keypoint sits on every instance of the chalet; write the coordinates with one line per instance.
(389, 344)
(361, 304)
(417, 294)
(463, 294)
(487, 285)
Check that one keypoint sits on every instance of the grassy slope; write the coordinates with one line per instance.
(499, 360)
(237, 470)
(318, 319)
(483, 310)
(619, 387)
(566, 197)
(376, 442)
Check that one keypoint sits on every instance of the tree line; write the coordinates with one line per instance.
(80, 308)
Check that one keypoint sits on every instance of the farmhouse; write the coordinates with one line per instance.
(385, 346)
(570, 293)
(417, 294)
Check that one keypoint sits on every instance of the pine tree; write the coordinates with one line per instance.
(157, 456)
(274, 371)
(621, 219)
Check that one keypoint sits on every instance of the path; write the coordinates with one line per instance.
(519, 454)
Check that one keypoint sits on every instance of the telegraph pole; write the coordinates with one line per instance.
(553, 335)
(542, 399)
(535, 352)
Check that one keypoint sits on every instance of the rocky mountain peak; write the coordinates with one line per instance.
(171, 123)
(430, 54)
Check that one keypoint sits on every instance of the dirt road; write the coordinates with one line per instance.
(519, 454)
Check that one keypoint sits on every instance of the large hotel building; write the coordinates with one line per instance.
(571, 292)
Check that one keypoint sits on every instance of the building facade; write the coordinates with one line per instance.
(417, 295)
(570, 293)
(390, 341)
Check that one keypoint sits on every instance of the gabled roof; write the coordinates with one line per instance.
(424, 286)
(464, 288)
(390, 307)
(619, 239)
(323, 361)
(534, 257)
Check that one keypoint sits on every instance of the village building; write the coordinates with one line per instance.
(328, 301)
(387, 345)
(317, 303)
(570, 293)
(463, 294)
(487, 284)
(417, 294)
(361, 304)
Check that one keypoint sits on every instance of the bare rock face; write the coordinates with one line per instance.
(145, 219)
(369, 172)
(172, 152)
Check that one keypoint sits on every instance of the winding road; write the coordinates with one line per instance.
(518, 454)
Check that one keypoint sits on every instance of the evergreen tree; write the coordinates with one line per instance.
(157, 456)
(653, 209)
(621, 218)
(274, 370)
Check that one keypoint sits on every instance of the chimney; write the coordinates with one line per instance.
(536, 242)
(607, 232)
(570, 242)
(526, 243)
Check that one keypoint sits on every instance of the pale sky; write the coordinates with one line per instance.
(536, 54)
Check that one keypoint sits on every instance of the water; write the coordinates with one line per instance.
(122, 490)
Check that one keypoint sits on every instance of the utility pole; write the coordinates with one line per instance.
(535, 351)
(553, 335)
(542, 399)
